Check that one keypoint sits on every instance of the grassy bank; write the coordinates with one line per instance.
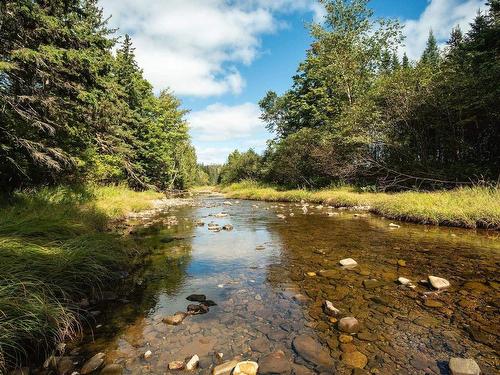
(55, 249)
(476, 207)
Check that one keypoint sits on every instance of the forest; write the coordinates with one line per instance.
(360, 114)
(74, 111)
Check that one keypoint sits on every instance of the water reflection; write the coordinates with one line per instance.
(257, 275)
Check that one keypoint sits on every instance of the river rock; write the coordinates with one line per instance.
(196, 297)
(371, 283)
(197, 309)
(246, 368)
(192, 363)
(176, 365)
(228, 227)
(330, 309)
(464, 366)
(148, 354)
(439, 283)
(224, 368)
(348, 262)
(274, 363)
(349, 325)
(312, 351)
(174, 319)
(93, 364)
(65, 366)
(112, 369)
(354, 359)
(404, 281)
(392, 225)
(260, 345)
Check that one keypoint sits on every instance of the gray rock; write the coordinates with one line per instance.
(93, 364)
(312, 351)
(439, 283)
(464, 366)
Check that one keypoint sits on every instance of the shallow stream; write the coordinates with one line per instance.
(270, 277)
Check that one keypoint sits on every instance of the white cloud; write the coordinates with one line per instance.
(213, 155)
(220, 122)
(440, 16)
(193, 46)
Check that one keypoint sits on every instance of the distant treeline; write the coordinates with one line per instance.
(71, 110)
(359, 113)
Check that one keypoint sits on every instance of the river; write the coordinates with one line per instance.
(270, 277)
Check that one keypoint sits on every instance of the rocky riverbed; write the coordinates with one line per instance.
(296, 289)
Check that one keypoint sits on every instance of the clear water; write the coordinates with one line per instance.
(257, 275)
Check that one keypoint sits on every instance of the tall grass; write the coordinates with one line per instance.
(469, 207)
(55, 249)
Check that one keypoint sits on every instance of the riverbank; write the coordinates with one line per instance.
(57, 250)
(475, 207)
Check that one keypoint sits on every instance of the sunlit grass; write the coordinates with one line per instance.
(468, 207)
(55, 249)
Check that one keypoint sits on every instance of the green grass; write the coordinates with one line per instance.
(55, 249)
(476, 207)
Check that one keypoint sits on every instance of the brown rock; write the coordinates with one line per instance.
(176, 365)
(354, 359)
(349, 324)
(274, 363)
(174, 319)
(312, 351)
(224, 368)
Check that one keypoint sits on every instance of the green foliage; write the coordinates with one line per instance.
(241, 166)
(55, 249)
(356, 113)
(70, 110)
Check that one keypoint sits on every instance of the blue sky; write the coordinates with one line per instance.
(221, 56)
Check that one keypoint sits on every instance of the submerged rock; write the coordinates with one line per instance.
(392, 225)
(246, 368)
(312, 351)
(112, 369)
(174, 319)
(354, 359)
(348, 262)
(464, 366)
(274, 363)
(196, 297)
(176, 365)
(65, 366)
(349, 325)
(439, 283)
(194, 309)
(228, 227)
(93, 364)
(148, 354)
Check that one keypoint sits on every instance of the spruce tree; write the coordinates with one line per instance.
(431, 54)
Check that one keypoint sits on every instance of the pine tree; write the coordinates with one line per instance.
(405, 63)
(431, 54)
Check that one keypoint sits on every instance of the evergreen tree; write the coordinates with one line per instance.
(431, 54)
(405, 63)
